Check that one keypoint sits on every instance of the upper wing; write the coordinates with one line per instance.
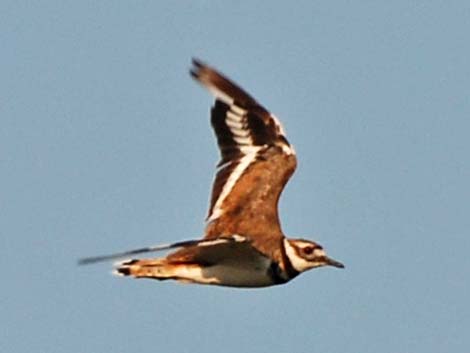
(120, 255)
(213, 251)
(256, 163)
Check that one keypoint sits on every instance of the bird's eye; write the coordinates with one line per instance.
(308, 250)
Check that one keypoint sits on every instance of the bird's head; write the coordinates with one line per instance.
(306, 254)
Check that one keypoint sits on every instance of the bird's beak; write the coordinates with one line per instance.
(331, 262)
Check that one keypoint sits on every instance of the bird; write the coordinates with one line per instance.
(243, 244)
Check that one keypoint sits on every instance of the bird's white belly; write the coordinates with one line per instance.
(229, 273)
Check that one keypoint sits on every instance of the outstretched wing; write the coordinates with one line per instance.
(154, 248)
(256, 163)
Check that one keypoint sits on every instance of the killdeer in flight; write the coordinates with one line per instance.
(243, 245)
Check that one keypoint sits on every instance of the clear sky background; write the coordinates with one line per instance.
(105, 145)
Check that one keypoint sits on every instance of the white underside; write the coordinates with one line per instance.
(227, 274)
(234, 262)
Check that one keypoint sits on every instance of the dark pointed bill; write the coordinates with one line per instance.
(334, 263)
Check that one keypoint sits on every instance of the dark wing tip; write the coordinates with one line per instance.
(199, 69)
(223, 87)
(197, 62)
(195, 70)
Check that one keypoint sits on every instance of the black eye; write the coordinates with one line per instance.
(308, 250)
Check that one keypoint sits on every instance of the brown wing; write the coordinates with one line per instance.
(256, 163)
(208, 252)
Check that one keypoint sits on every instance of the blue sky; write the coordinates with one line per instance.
(105, 146)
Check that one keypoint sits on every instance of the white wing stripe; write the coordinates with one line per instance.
(237, 110)
(240, 132)
(232, 116)
(278, 124)
(243, 140)
(251, 149)
(220, 95)
(234, 124)
(245, 161)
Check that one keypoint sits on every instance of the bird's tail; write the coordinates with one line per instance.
(160, 269)
(145, 268)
